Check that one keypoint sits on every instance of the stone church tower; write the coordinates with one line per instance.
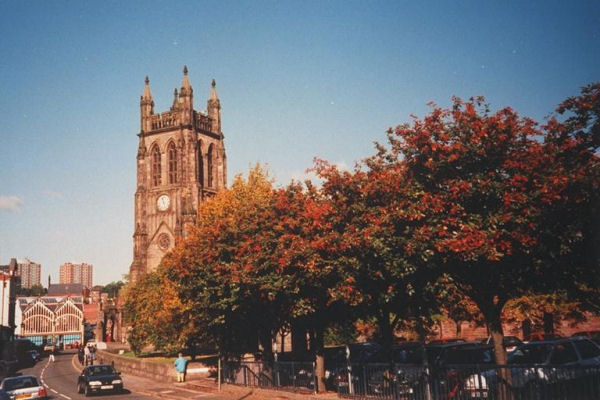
(180, 162)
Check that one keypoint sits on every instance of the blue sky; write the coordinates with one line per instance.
(296, 80)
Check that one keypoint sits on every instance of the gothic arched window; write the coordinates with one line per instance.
(209, 161)
(200, 172)
(156, 166)
(172, 153)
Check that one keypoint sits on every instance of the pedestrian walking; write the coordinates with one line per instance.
(92, 354)
(180, 366)
(52, 355)
(86, 355)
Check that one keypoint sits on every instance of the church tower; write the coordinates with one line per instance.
(180, 162)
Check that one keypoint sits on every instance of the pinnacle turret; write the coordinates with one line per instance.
(213, 108)
(147, 94)
(213, 91)
(175, 100)
(186, 88)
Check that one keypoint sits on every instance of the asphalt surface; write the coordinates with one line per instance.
(60, 380)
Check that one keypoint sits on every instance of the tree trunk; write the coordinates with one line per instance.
(526, 326)
(548, 323)
(492, 315)
(320, 359)
(386, 331)
(458, 328)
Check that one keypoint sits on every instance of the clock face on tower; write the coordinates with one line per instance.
(163, 202)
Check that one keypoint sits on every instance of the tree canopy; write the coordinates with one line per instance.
(458, 213)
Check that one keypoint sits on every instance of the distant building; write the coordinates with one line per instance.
(95, 294)
(50, 319)
(8, 289)
(76, 273)
(10, 268)
(66, 289)
(30, 273)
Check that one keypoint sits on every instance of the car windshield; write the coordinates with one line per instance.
(20, 383)
(535, 353)
(101, 370)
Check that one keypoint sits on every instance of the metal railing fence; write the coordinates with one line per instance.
(461, 382)
(284, 375)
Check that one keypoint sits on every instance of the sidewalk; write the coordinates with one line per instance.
(206, 389)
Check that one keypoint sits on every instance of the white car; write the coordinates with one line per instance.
(23, 387)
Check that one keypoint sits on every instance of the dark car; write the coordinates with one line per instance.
(594, 335)
(341, 360)
(510, 343)
(99, 378)
(34, 354)
(398, 370)
(451, 363)
(563, 365)
(23, 387)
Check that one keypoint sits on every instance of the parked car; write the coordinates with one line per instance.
(510, 343)
(23, 387)
(398, 370)
(594, 335)
(34, 354)
(537, 366)
(28, 359)
(50, 347)
(450, 364)
(446, 340)
(338, 358)
(99, 378)
(541, 336)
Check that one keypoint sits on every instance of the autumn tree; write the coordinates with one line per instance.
(152, 309)
(367, 247)
(454, 305)
(226, 271)
(573, 219)
(539, 312)
(482, 193)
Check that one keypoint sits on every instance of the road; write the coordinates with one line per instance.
(60, 380)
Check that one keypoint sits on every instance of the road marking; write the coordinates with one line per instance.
(52, 390)
(66, 397)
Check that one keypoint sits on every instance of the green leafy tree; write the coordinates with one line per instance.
(113, 289)
(34, 290)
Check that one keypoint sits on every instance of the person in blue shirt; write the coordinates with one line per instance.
(180, 365)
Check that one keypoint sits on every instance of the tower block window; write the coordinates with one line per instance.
(156, 166)
(172, 163)
(209, 160)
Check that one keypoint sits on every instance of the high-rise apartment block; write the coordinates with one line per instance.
(30, 273)
(76, 273)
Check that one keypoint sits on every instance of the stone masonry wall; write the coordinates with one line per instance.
(151, 369)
